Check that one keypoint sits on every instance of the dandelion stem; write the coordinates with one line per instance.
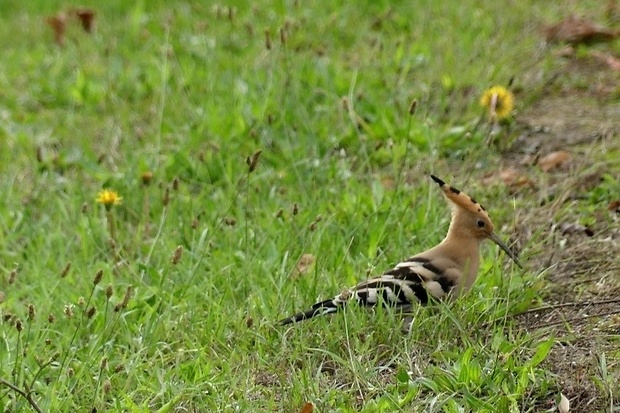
(111, 225)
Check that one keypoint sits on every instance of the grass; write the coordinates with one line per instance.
(188, 92)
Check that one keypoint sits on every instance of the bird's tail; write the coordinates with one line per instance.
(324, 307)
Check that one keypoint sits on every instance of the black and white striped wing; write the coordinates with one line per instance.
(409, 282)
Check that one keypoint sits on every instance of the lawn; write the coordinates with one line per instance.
(267, 155)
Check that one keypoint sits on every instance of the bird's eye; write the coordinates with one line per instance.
(480, 223)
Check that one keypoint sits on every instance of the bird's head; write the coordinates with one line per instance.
(470, 221)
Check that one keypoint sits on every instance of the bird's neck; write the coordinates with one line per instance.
(464, 251)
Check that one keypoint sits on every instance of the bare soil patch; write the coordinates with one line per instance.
(580, 262)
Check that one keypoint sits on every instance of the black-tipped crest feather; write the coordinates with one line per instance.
(439, 181)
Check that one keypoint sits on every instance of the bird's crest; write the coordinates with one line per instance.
(460, 198)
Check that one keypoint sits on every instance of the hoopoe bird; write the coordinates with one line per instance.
(449, 268)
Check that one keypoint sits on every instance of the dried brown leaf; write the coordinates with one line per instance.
(611, 61)
(570, 229)
(614, 206)
(509, 177)
(575, 30)
(512, 177)
(388, 183)
(563, 404)
(305, 263)
(58, 23)
(87, 19)
(307, 408)
(553, 160)
(589, 182)
(567, 51)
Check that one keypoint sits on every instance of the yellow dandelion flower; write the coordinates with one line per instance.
(108, 198)
(499, 101)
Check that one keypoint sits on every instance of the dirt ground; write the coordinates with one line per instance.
(580, 263)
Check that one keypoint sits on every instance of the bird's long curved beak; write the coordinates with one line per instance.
(503, 246)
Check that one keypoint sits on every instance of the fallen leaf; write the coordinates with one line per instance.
(509, 177)
(87, 19)
(567, 51)
(553, 160)
(575, 30)
(308, 408)
(614, 206)
(589, 182)
(388, 183)
(609, 60)
(569, 229)
(512, 177)
(58, 23)
(304, 264)
(563, 405)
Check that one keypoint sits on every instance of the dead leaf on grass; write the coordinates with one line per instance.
(563, 404)
(575, 30)
(589, 182)
(306, 261)
(567, 51)
(308, 408)
(512, 177)
(553, 160)
(58, 23)
(570, 229)
(86, 18)
(608, 59)
(508, 176)
(388, 183)
(614, 206)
